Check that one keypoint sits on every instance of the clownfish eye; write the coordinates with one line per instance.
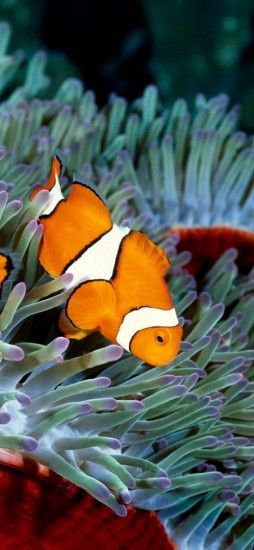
(161, 337)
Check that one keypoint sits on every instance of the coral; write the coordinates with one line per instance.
(179, 439)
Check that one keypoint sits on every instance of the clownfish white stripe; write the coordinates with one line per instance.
(55, 196)
(98, 261)
(145, 317)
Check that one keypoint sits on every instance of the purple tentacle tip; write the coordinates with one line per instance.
(132, 482)
(61, 344)
(234, 509)
(19, 289)
(23, 399)
(212, 411)
(186, 346)
(102, 492)
(16, 205)
(109, 404)
(103, 382)
(115, 444)
(32, 226)
(163, 483)
(66, 278)
(137, 406)
(85, 408)
(29, 444)
(219, 308)
(205, 340)
(124, 497)
(233, 480)
(204, 401)
(237, 377)
(180, 390)
(14, 353)
(227, 494)
(4, 417)
(114, 352)
(121, 511)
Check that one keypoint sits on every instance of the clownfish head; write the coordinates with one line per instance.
(157, 345)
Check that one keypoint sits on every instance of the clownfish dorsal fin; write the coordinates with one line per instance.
(85, 197)
(149, 250)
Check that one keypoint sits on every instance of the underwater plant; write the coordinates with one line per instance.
(177, 439)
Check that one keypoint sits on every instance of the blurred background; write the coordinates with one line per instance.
(185, 47)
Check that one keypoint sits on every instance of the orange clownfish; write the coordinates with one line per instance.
(118, 285)
(6, 266)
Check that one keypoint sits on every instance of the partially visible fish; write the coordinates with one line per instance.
(118, 274)
(6, 266)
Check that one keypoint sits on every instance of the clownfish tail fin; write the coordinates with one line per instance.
(52, 185)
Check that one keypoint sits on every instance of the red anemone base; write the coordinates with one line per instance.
(45, 512)
(207, 244)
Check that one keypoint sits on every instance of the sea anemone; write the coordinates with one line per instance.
(178, 440)
(155, 166)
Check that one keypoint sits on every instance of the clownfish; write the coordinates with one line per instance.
(118, 285)
(6, 266)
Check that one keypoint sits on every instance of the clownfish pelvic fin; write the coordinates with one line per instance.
(68, 330)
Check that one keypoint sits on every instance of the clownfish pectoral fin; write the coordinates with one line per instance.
(68, 330)
(52, 185)
(85, 200)
(6, 266)
(92, 306)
